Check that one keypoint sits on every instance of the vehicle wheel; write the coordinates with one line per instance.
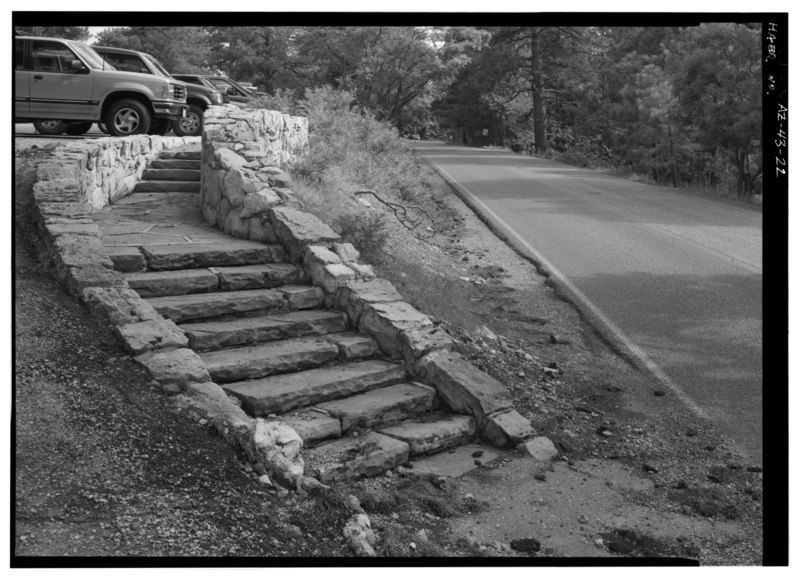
(191, 125)
(103, 128)
(50, 127)
(127, 117)
(78, 128)
(159, 127)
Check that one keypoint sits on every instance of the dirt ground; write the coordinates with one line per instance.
(106, 466)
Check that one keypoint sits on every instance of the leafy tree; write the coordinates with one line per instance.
(257, 54)
(80, 33)
(178, 48)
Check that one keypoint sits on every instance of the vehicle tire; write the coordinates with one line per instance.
(50, 127)
(78, 128)
(191, 125)
(159, 127)
(127, 117)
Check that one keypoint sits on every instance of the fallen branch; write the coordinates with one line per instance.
(405, 215)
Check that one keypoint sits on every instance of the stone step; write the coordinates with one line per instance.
(313, 426)
(433, 432)
(170, 186)
(258, 361)
(171, 174)
(195, 154)
(175, 164)
(173, 282)
(204, 336)
(368, 455)
(196, 307)
(381, 407)
(285, 392)
(258, 276)
(219, 254)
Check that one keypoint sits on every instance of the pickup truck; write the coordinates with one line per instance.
(64, 81)
(198, 97)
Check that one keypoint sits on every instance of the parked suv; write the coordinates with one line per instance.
(65, 80)
(198, 97)
(236, 92)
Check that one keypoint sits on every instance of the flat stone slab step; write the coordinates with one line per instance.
(175, 164)
(264, 275)
(458, 461)
(196, 307)
(381, 407)
(353, 346)
(367, 455)
(433, 432)
(285, 392)
(248, 362)
(177, 282)
(167, 185)
(195, 154)
(191, 255)
(204, 336)
(313, 426)
(171, 174)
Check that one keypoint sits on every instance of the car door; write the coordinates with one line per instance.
(21, 104)
(57, 91)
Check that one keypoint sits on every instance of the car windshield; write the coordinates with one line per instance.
(155, 65)
(91, 58)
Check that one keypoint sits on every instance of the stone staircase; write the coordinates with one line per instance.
(266, 337)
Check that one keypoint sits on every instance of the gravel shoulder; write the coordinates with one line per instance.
(106, 466)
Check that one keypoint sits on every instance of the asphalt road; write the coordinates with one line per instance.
(675, 279)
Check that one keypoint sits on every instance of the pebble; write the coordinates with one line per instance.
(649, 468)
(202, 421)
(527, 545)
(395, 516)
(469, 497)
(264, 479)
(583, 519)
(479, 462)
(521, 374)
(422, 536)
(529, 358)
(659, 393)
(412, 545)
(599, 542)
(477, 454)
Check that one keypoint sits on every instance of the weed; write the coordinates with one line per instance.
(366, 231)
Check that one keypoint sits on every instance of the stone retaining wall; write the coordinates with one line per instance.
(82, 177)
(242, 178)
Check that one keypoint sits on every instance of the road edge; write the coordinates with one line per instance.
(604, 328)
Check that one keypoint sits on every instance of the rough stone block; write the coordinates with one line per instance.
(125, 259)
(313, 425)
(151, 335)
(507, 428)
(335, 276)
(362, 271)
(57, 191)
(417, 342)
(540, 448)
(175, 366)
(464, 388)
(386, 321)
(368, 455)
(78, 279)
(353, 346)
(261, 230)
(355, 295)
(346, 252)
(298, 229)
(433, 432)
(117, 305)
(228, 159)
(302, 297)
(259, 203)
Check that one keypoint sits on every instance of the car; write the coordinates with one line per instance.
(64, 81)
(198, 97)
(236, 92)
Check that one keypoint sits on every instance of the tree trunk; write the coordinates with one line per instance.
(537, 92)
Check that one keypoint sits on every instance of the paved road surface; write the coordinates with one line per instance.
(677, 277)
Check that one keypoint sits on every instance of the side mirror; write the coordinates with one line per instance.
(231, 91)
(77, 66)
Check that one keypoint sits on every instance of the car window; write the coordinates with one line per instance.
(51, 56)
(189, 79)
(127, 62)
(19, 54)
(90, 57)
(225, 86)
(157, 66)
